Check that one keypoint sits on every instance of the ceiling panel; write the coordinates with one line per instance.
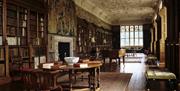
(116, 12)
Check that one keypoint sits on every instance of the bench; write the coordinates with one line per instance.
(161, 75)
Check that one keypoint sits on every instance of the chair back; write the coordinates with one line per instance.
(122, 52)
(104, 53)
(113, 54)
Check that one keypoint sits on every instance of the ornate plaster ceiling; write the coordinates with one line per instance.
(117, 12)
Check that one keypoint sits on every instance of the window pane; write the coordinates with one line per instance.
(131, 34)
(131, 28)
(140, 42)
(136, 28)
(127, 35)
(122, 28)
(140, 34)
(123, 34)
(140, 27)
(123, 42)
(136, 42)
(136, 34)
(127, 42)
(127, 28)
(131, 42)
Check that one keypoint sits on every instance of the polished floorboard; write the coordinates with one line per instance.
(138, 81)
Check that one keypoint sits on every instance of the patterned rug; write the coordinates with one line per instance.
(113, 81)
(110, 81)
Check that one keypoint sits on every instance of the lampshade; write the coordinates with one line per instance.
(104, 41)
(93, 40)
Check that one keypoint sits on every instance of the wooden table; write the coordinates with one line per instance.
(46, 79)
(94, 78)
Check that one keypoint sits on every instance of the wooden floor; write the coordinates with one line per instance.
(138, 81)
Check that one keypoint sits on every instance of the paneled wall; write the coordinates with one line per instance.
(116, 37)
(147, 35)
(172, 41)
(158, 31)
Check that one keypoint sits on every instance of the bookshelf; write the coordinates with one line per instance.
(23, 35)
(90, 37)
(2, 48)
(11, 21)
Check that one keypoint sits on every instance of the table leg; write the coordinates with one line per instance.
(94, 79)
(98, 77)
(123, 58)
(70, 80)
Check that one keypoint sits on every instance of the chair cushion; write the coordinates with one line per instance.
(156, 74)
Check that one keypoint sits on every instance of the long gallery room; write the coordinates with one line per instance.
(89, 45)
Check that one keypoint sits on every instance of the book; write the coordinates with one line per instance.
(81, 65)
(57, 67)
(94, 62)
(47, 65)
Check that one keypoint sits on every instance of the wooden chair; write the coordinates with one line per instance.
(122, 53)
(114, 54)
(29, 78)
(104, 54)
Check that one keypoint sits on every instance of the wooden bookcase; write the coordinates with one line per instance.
(2, 48)
(90, 36)
(25, 34)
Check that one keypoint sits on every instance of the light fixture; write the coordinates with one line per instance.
(160, 5)
(104, 41)
(155, 16)
(93, 40)
(37, 41)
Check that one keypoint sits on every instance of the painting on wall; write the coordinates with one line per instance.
(65, 17)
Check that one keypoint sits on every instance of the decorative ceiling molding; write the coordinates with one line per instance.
(91, 18)
(115, 12)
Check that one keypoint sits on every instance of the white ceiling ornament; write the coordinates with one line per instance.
(118, 12)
